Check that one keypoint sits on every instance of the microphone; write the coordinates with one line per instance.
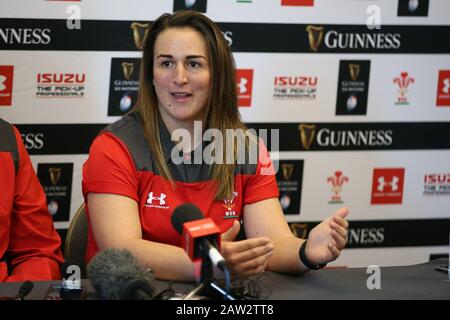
(116, 275)
(200, 234)
(24, 290)
(135, 289)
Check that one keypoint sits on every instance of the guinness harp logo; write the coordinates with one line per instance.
(287, 169)
(127, 69)
(307, 134)
(55, 174)
(299, 230)
(139, 33)
(315, 37)
(354, 70)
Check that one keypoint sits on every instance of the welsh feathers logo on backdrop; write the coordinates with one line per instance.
(403, 82)
(337, 182)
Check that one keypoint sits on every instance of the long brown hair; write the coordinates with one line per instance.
(221, 110)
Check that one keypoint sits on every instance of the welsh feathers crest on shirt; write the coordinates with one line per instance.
(229, 205)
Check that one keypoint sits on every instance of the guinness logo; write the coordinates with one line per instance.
(139, 33)
(127, 68)
(315, 37)
(354, 70)
(299, 230)
(55, 175)
(307, 134)
(287, 169)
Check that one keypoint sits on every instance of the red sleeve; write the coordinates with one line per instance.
(262, 185)
(110, 168)
(34, 246)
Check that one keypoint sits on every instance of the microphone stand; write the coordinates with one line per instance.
(208, 287)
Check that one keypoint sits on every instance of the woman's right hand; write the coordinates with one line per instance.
(245, 258)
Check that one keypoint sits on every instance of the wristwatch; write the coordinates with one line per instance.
(305, 260)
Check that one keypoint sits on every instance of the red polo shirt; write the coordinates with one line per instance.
(120, 162)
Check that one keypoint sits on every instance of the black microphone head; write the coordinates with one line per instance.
(25, 289)
(136, 289)
(185, 213)
(110, 269)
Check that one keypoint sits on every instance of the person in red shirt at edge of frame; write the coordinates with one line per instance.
(29, 244)
(133, 180)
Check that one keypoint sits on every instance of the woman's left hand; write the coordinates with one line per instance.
(326, 240)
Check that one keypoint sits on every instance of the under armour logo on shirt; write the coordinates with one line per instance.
(161, 198)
